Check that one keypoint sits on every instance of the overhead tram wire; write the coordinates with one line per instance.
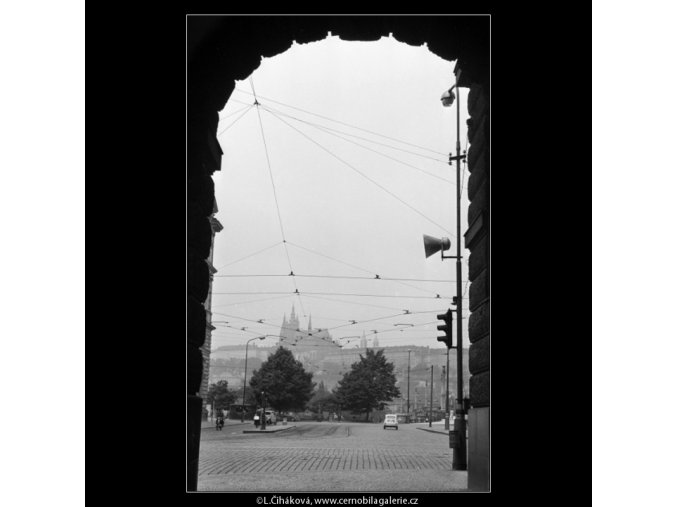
(324, 129)
(366, 177)
(250, 301)
(376, 275)
(272, 181)
(400, 280)
(234, 112)
(317, 125)
(250, 255)
(385, 278)
(438, 296)
(347, 124)
(351, 302)
(235, 121)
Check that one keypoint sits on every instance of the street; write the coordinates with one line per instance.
(327, 457)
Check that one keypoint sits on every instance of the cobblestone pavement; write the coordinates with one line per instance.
(327, 457)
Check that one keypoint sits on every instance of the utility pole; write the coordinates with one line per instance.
(430, 417)
(263, 411)
(459, 455)
(446, 401)
(408, 371)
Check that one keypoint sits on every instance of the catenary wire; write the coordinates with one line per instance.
(323, 127)
(234, 112)
(388, 279)
(365, 176)
(235, 121)
(346, 124)
(250, 255)
(277, 204)
(438, 296)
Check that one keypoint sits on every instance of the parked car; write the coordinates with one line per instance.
(390, 421)
(271, 418)
(291, 417)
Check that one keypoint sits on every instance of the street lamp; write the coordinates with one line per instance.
(459, 455)
(244, 390)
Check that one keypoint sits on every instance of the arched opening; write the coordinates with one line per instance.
(222, 50)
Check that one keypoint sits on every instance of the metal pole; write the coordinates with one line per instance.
(263, 411)
(430, 417)
(459, 456)
(408, 369)
(244, 389)
(446, 392)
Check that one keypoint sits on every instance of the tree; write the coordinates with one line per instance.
(368, 385)
(286, 384)
(322, 400)
(220, 395)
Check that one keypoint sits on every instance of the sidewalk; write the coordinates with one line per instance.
(227, 422)
(247, 426)
(437, 427)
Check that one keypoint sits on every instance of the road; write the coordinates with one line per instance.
(327, 456)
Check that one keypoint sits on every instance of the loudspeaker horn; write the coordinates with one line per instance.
(433, 245)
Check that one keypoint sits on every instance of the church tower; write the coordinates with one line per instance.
(363, 341)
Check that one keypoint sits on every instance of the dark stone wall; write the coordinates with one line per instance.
(477, 241)
(221, 50)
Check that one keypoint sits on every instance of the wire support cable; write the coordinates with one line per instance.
(347, 124)
(438, 296)
(272, 181)
(374, 182)
(250, 255)
(235, 121)
(329, 129)
(385, 278)
(376, 276)
(324, 129)
(234, 112)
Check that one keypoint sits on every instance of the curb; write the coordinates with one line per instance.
(276, 430)
(433, 431)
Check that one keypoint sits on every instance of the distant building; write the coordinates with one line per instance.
(206, 347)
(311, 344)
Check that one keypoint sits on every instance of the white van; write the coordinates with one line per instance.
(390, 421)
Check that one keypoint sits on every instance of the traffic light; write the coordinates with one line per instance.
(448, 319)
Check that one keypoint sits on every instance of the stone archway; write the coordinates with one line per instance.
(222, 49)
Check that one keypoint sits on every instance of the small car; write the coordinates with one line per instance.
(390, 421)
(270, 417)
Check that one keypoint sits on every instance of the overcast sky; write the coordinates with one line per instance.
(345, 211)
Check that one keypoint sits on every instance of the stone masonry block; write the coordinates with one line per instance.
(476, 125)
(479, 290)
(197, 276)
(478, 101)
(479, 356)
(196, 322)
(200, 194)
(199, 235)
(479, 256)
(194, 369)
(478, 175)
(478, 322)
(479, 389)
(479, 203)
(477, 147)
